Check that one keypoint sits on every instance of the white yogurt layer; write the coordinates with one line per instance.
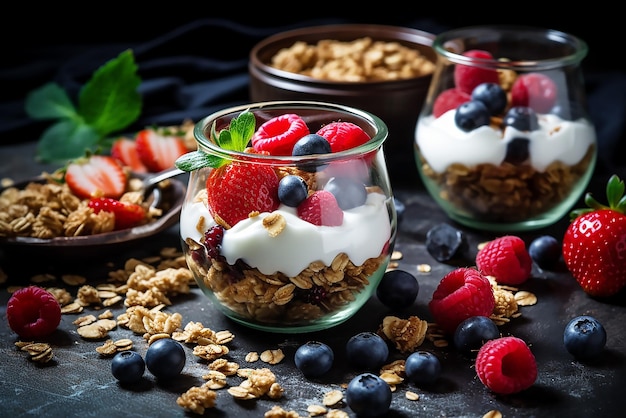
(442, 143)
(362, 235)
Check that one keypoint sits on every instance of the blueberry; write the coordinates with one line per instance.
(471, 115)
(314, 358)
(521, 118)
(444, 242)
(473, 332)
(128, 366)
(348, 192)
(367, 351)
(584, 337)
(397, 289)
(545, 251)
(517, 151)
(311, 144)
(165, 358)
(400, 208)
(492, 96)
(422, 368)
(292, 190)
(368, 395)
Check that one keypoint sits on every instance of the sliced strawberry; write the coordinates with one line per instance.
(126, 214)
(237, 189)
(96, 176)
(124, 150)
(343, 135)
(158, 152)
(467, 77)
(278, 135)
(534, 90)
(448, 100)
(321, 209)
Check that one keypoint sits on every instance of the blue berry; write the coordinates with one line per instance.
(445, 242)
(128, 366)
(471, 115)
(314, 358)
(368, 395)
(292, 190)
(473, 332)
(367, 351)
(422, 368)
(545, 251)
(165, 358)
(397, 289)
(311, 144)
(348, 192)
(492, 96)
(521, 118)
(584, 337)
(517, 151)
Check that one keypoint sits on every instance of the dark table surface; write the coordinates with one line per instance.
(78, 381)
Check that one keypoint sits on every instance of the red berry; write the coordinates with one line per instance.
(321, 208)
(506, 365)
(127, 215)
(462, 293)
(506, 259)
(467, 77)
(448, 100)
(534, 90)
(33, 312)
(343, 135)
(278, 135)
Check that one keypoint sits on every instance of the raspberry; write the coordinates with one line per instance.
(321, 208)
(448, 100)
(343, 135)
(506, 365)
(462, 293)
(33, 312)
(534, 90)
(505, 258)
(468, 77)
(278, 135)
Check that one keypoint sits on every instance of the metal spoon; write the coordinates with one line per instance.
(151, 181)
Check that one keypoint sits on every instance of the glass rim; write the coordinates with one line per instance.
(578, 46)
(205, 143)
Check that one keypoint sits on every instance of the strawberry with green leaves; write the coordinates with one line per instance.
(594, 245)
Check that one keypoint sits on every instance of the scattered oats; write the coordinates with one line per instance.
(481, 245)
(337, 413)
(493, 414)
(84, 320)
(73, 307)
(272, 356)
(215, 379)
(525, 298)
(332, 398)
(197, 399)
(278, 412)
(228, 368)
(159, 336)
(38, 352)
(275, 223)
(97, 330)
(112, 301)
(396, 255)
(412, 396)
(393, 265)
(252, 356)
(424, 268)
(43, 278)
(107, 349)
(73, 279)
(239, 392)
(391, 378)
(316, 410)
(405, 334)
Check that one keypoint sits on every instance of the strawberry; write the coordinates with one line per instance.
(343, 135)
(534, 90)
(506, 259)
(124, 150)
(157, 150)
(467, 77)
(33, 312)
(448, 100)
(594, 245)
(278, 135)
(126, 214)
(96, 176)
(321, 208)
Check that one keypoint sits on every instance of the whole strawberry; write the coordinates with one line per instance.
(594, 245)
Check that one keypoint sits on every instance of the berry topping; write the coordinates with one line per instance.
(165, 358)
(521, 118)
(422, 368)
(343, 135)
(462, 293)
(292, 190)
(517, 151)
(33, 312)
(321, 208)
(472, 333)
(467, 77)
(279, 135)
(471, 115)
(445, 242)
(506, 259)
(367, 351)
(506, 365)
(584, 337)
(368, 395)
(397, 289)
(348, 192)
(545, 251)
(492, 96)
(314, 358)
(158, 150)
(96, 176)
(128, 366)
(448, 100)
(127, 215)
(534, 90)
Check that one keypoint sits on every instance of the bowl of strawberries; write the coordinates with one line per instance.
(288, 222)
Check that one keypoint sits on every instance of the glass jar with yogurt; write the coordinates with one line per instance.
(504, 142)
(286, 232)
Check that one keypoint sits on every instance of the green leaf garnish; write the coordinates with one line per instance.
(235, 138)
(107, 103)
(615, 197)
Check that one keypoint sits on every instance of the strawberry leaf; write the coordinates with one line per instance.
(615, 197)
(196, 160)
(60, 141)
(50, 102)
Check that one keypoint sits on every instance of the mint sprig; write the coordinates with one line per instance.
(107, 103)
(235, 138)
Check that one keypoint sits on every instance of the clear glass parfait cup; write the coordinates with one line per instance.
(504, 142)
(261, 256)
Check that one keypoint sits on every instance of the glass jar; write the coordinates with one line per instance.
(277, 269)
(504, 142)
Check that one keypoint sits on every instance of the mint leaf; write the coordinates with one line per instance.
(50, 102)
(241, 130)
(66, 140)
(109, 101)
(196, 160)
